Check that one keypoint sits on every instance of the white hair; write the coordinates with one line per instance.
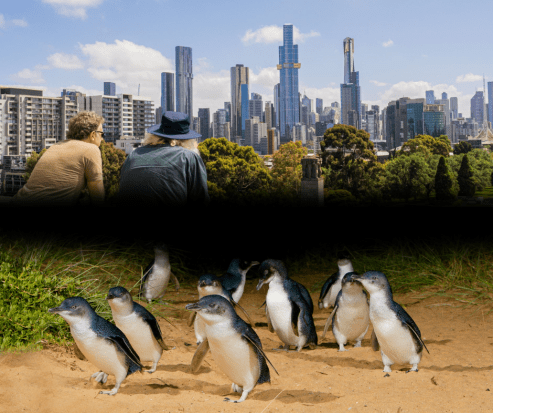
(151, 139)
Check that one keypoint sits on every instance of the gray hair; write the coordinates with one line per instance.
(151, 139)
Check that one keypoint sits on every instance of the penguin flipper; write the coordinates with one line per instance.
(262, 305)
(374, 341)
(146, 273)
(191, 319)
(199, 355)
(330, 319)
(152, 323)
(326, 286)
(305, 296)
(124, 345)
(174, 280)
(260, 350)
(236, 304)
(407, 320)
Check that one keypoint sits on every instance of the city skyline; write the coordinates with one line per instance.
(93, 45)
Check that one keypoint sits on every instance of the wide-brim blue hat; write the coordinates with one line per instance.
(174, 125)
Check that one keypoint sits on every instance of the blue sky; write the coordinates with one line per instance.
(402, 48)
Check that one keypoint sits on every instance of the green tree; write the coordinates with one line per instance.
(287, 168)
(466, 180)
(339, 198)
(31, 163)
(112, 159)
(235, 173)
(443, 182)
(427, 145)
(481, 163)
(407, 176)
(349, 162)
(462, 147)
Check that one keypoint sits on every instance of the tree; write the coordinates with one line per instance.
(443, 182)
(31, 163)
(481, 163)
(427, 145)
(287, 168)
(407, 176)
(235, 173)
(466, 180)
(462, 147)
(349, 162)
(112, 159)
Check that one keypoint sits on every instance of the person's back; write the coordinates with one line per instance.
(163, 175)
(61, 174)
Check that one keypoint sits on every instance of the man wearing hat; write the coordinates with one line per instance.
(167, 169)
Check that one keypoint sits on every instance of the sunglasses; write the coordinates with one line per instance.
(102, 133)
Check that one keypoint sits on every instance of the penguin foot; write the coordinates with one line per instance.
(242, 399)
(358, 344)
(387, 375)
(100, 377)
(387, 369)
(282, 348)
(342, 348)
(408, 371)
(110, 393)
(236, 388)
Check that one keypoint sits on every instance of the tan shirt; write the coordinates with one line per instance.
(61, 174)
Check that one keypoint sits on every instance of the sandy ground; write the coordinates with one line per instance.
(457, 375)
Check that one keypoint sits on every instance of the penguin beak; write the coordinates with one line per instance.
(254, 263)
(55, 310)
(193, 307)
(260, 284)
(110, 296)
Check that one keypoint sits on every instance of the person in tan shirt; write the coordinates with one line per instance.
(69, 167)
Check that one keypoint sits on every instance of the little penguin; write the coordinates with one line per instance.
(234, 279)
(210, 284)
(288, 306)
(236, 348)
(333, 284)
(157, 274)
(139, 325)
(397, 334)
(103, 344)
(350, 317)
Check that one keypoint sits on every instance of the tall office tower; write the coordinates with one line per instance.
(271, 141)
(269, 115)
(72, 94)
(31, 122)
(444, 95)
(255, 106)
(184, 80)
(454, 108)
(306, 102)
(248, 132)
(490, 95)
(415, 110)
(218, 124)
(447, 110)
(289, 97)
(276, 105)
(364, 109)
(227, 107)
(109, 89)
(433, 119)
(239, 76)
(158, 115)
(372, 124)
(350, 91)
(319, 106)
(167, 92)
(196, 124)
(245, 107)
(396, 123)
(204, 116)
(124, 114)
(430, 97)
(476, 107)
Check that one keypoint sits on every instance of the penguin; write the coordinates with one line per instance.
(103, 344)
(288, 306)
(157, 274)
(210, 284)
(138, 324)
(350, 317)
(234, 279)
(398, 336)
(333, 284)
(236, 348)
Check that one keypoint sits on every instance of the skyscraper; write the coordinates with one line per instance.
(289, 104)
(184, 80)
(490, 94)
(255, 106)
(204, 116)
(109, 89)
(476, 107)
(276, 105)
(167, 92)
(350, 91)
(444, 95)
(239, 76)
(319, 105)
(430, 97)
(245, 108)
(454, 108)
(227, 107)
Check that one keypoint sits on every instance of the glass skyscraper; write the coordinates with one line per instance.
(289, 98)
(204, 121)
(245, 114)
(167, 92)
(490, 95)
(184, 80)
(109, 89)
(430, 97)
(476, 107)
(350, 91)
(239, 76)
(415, 110)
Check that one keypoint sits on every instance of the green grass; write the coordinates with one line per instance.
(486, 193)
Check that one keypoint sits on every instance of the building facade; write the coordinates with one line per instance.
(350, 91)
(245, 108)
(255, 106)
(476, 107)
(490, 104)
(109, 89)
(289, 98)
(430, 97)
(184, 80)
(239, 77)
(204, 120)
(434, 120)
(167, 92)
(415, 124)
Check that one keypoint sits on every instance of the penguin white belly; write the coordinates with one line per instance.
(239, 291)
(280, 312)
(157, 283)
(395, 340)
(351, 320)
(101, 352)
(233, 355)
(140, 336)
(333, 291)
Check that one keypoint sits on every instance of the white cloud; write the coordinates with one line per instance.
(377, 83)
(470, 77)
(27, 76)
(15, 22)
(65, 61)
(388, 43)
(73, 8)
(128, 65)
(2, 21)
(20, 22)
(274, 34)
